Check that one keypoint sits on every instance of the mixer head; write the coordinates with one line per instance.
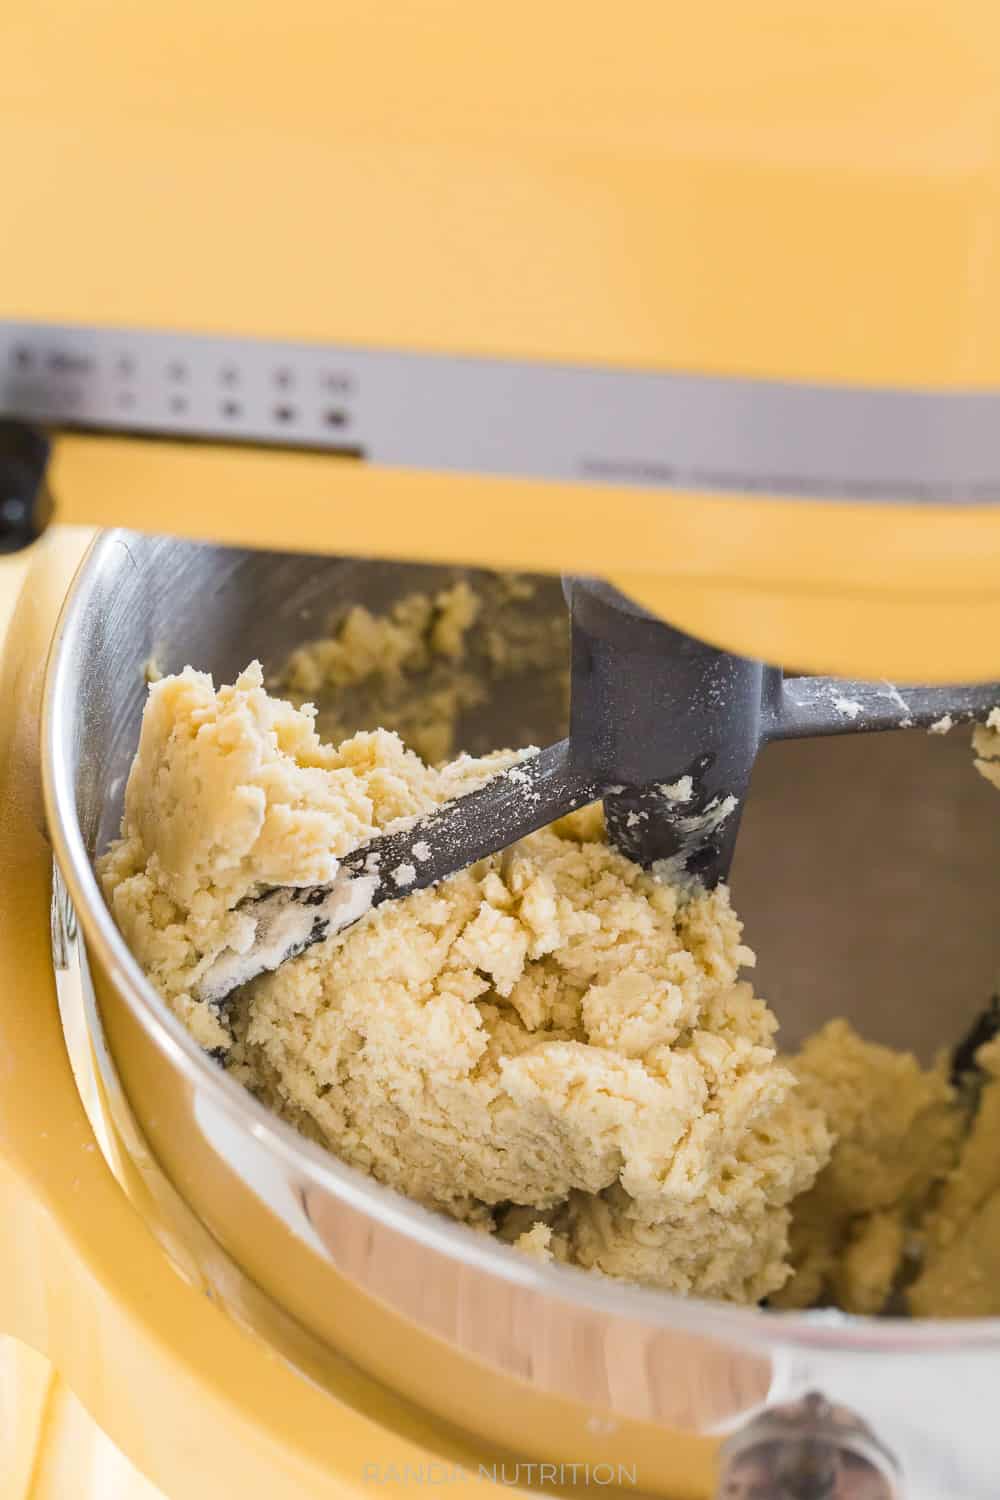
(665, 729)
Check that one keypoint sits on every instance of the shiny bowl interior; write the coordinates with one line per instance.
(866, 868)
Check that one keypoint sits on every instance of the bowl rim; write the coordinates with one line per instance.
(753, 1327)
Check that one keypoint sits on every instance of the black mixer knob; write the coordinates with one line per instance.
(25, 502)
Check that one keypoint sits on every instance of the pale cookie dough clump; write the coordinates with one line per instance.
(406, 660)
(906, 1216)
(232, 792)
(551, 1044)
(959, 1274)
(896, 1127)
(960, 1270)
(420, 667)
(552, 1030)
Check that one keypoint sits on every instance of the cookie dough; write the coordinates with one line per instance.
(419, 668)
(959, 1269)
(906, 1215)
(406, 660)
(233, 792)
(552, 1046)
(896, 1128)
(549, 1039)
(960, 1261)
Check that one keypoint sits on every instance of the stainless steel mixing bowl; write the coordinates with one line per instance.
(868, 877)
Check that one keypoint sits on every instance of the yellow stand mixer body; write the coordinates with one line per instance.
(770, 195)
(765, 195)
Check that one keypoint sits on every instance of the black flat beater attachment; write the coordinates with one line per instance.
(666, 729)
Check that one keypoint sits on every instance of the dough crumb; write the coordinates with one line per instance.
(677, 791)
(536, 1242)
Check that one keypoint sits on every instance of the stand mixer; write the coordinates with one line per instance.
(716, 326)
